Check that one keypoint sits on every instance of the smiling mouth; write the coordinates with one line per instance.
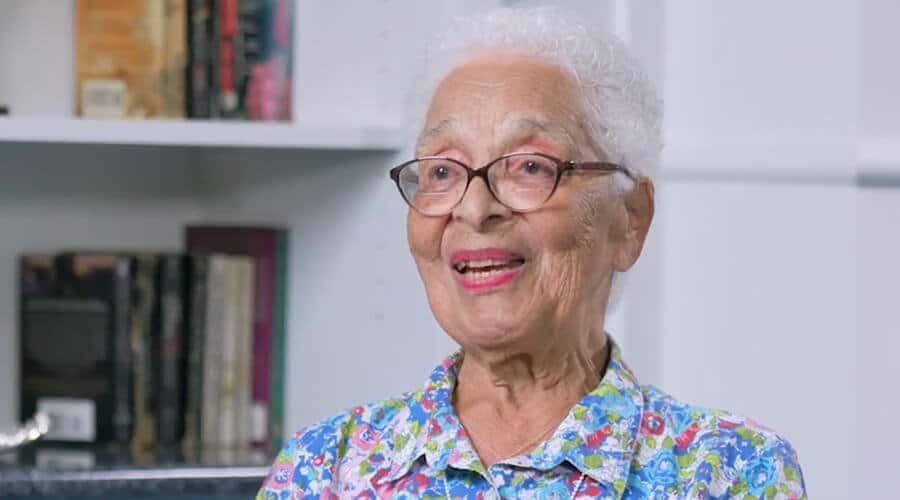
(486, 275)
(485, 269)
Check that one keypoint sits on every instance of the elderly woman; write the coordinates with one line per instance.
(529, 196)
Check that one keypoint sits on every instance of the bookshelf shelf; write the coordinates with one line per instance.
(302, 135)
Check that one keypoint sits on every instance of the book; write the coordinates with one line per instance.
(227, 392)
(268, 248)
(143, 347)
(195, 350)
(231, 435)
(269, 86)
(75, 345)
(228, 35)
(199, 42)
(215, 59)
(244, 361)
(279, 342)
(174, 59)
(129, 59)
(172, 274)
(212, 352)
(248, 47)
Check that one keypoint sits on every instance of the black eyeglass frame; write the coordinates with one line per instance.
(561, 168)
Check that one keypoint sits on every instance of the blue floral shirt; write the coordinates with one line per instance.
(622, 440)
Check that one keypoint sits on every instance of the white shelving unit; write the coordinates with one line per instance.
(68, 182)
(298, 135)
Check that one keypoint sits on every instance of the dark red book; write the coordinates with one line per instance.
(228, 33)
(261, 244)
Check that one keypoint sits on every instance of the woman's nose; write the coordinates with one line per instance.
(479, 207)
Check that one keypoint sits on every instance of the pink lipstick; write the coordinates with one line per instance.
(486, 269)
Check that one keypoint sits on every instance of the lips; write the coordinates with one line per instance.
(487, 268)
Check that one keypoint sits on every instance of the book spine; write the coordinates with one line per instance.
(228, 393)
(269, 88)
(199, 58)
(122, 416)
(276, 408)
(215, 59)
(263, 326)
(118, 71)
(228, 34)
(174, 59)
(245, 352)
(171, 353)
(142, 347)
(212, 354)
(196, 336)
(36, 280)
(287, 87)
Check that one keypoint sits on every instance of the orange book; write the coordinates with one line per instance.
(130, 58)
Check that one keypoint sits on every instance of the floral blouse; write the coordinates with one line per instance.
(620, 440)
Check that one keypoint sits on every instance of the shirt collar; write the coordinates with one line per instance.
(597, 437)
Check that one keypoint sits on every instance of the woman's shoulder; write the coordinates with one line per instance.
(311, 457)
(332, 431)
(719, 450)
(663, 413)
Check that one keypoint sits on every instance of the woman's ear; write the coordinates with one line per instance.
(639, 209)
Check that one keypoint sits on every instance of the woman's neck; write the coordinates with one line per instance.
(524, 394)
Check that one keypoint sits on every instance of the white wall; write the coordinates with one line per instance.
(878, 233)
(877, 338)
(37, 54)
(777, 271)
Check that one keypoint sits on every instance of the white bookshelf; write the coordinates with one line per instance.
(200, 133)
(69, 182)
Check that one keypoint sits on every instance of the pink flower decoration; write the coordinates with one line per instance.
(364, 437)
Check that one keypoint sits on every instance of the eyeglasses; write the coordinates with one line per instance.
(435, 185)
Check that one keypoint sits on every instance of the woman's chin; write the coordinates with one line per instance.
(491, 332)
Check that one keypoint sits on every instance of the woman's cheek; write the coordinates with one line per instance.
(424, 235)
(560, 276)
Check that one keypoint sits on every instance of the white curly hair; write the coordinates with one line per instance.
(623, 114)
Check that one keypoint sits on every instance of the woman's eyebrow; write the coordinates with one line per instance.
(433, 133)
(513, 125)
(533, 125)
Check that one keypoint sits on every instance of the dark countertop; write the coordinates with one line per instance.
(81, 473)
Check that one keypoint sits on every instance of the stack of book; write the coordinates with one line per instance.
(159, 351)
(219, 59)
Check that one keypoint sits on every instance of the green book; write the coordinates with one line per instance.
(279, 341)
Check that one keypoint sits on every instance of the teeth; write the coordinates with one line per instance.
(486, 263)
(483, 275)
(479, 266)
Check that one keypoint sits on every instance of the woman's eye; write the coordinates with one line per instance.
(440, 172)
(532, 167)
(437, 177)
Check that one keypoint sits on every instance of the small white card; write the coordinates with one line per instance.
(103, 98)
(259, 422)
(70, 419)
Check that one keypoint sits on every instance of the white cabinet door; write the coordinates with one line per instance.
(877, 340)
(758, 310)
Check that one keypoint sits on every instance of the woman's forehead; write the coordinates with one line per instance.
(511, 95)
(513, 124)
